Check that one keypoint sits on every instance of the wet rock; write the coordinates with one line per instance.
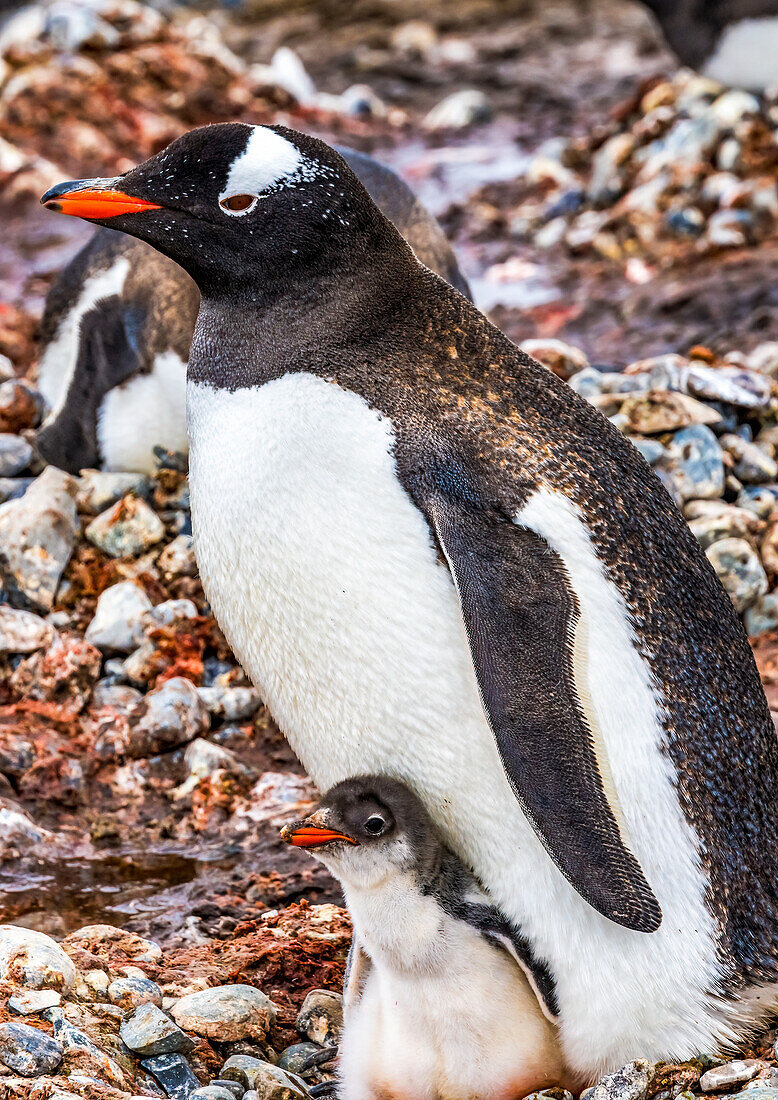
(27, 1050)
(127, 529)
(37, 535)
(693, 465)
(226, 1013)
(740, 571)
(562, 359)
(129, 993)
(31, 1001)
(297, 1057)
(149, 1031)
(99, 489)
(173, 1073)
(631, 1082)
(117, 618)
(170, 715)
(213, 1092)
(34, 960)
(18, 832)
(234, 1087)
(731, 1073)
(458, 111)
(178, 559)
(762, 616)
(751, 464)
(231, 703)
(22, 631)
(321, 1017)
(15, 455)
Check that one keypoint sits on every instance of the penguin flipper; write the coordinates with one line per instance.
(357, 969)
(520, 611)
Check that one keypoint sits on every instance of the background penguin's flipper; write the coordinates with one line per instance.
(520, 613)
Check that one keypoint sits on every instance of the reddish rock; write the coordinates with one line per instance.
(65, 673)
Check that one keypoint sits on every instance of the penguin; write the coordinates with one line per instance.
(118, 323)
(439, 563)
(734, 42)
(443, 997)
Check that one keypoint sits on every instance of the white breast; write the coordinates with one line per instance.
(747, 55)
(323, 575)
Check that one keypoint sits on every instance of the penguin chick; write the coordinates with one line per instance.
(118, 324)
(443, 998)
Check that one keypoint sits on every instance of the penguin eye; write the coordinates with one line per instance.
(238, 204)
(375, 825)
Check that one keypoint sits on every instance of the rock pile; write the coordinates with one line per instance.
(685, 169)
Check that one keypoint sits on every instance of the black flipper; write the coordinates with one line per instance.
(520, 612)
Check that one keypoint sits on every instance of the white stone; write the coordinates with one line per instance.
(117, 617)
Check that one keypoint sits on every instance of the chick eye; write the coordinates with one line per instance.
(238, 204)
(375, 825)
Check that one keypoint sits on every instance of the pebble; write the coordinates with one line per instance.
(99, 489)
(168, 716)
(739, 570)
(149, 1031)
(458, 111)
(37, 536)
(178, 559)
(321, 1017)
(751, 464)
(731, 1073)
(107, 942)
(728, 522)
(231, 703)
(82, 1050)
(561, 358)
(226, 1013)
(295, 1057)
(117, 617)
(173, 1073)
(268, 1081)
(693, 465)
(127, 529)
(34, 960)
(660, 411)
(631, 1082)
(15, 454)
(22, 631)
(12, 488)
(213, 1092)
(28, 1050)
(129, 993)
(28, 1002)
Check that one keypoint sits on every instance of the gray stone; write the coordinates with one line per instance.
(234, 1087)
(171, 715)
(126, 529)
(459, 110)
(99, 489)
(762, 615)
(268, 1081)
(588, 382)
(739, 570)
(693, 465)
(173, 1073)
(751, 463)
(759, 499)
(178, 559)
(631, 1082)
(321, 1017)
(169, 611)
(13, 488)
(226, 1013)
(76, 1041)
(149, 1031)
(117, 617)
(37, 535)
(129, 993)
(295, 1057)
(34, 960)
(728, 523)
(231, 703)
(213, 1092)
(23, 631)
(15, 454)
(29, 1002)
(651, 449)
(27, 1050)
(730, 1073)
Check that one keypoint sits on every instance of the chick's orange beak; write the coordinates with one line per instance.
(94, 199)
(304, 834)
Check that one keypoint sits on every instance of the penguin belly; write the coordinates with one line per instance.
(323, 575)
(146, 411)
(746, 55)
(454, 1021)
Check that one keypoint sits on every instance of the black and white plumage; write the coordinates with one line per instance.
(443, 996)
(118, 324)
(439, 563)
(732, 41)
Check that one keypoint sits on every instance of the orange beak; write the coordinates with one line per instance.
(304, 835)
(88, 199)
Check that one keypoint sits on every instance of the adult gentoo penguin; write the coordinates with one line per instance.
(439, 563)
(118, 324)
(437, 1002)
(732, 41)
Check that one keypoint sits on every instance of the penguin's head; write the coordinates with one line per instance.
(367, 828)
(237, 206)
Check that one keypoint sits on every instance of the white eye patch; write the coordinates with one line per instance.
(267, 161)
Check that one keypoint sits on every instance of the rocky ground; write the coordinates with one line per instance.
(614, 215)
